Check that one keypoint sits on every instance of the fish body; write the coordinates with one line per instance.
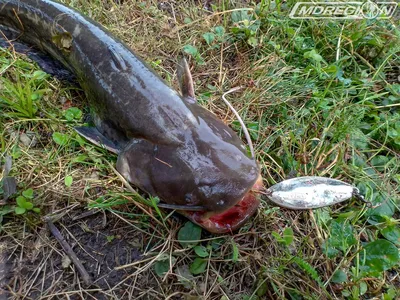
(167, 144)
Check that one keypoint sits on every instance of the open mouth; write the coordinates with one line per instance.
(231, 219)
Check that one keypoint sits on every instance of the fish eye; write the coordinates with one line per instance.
(188, 198)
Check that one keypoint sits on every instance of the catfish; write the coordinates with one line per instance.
(167, 144)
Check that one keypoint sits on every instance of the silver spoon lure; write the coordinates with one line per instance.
(309, 192)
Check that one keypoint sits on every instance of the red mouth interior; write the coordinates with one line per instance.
(231, 219)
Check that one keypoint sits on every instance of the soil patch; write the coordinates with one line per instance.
(41, 269)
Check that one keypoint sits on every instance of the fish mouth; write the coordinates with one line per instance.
(232, 218)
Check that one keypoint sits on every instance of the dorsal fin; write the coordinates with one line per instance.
(185, 80)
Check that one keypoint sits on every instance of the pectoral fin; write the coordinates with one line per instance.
(186, 81)
(94, 136)
(9, 187)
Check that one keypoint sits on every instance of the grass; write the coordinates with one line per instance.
(320, 98)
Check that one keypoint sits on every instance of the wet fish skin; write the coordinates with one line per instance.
(168, 146)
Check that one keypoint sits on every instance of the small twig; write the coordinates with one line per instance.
(245, 131)
(86, 214)
(338, 44)
(58, 214)
(134, 263)
(19, 20)
(67, 248)
(163, 162)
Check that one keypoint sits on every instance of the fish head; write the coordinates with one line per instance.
(210, 168)
(221, 169)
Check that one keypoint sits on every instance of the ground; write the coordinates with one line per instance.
(320, 97)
